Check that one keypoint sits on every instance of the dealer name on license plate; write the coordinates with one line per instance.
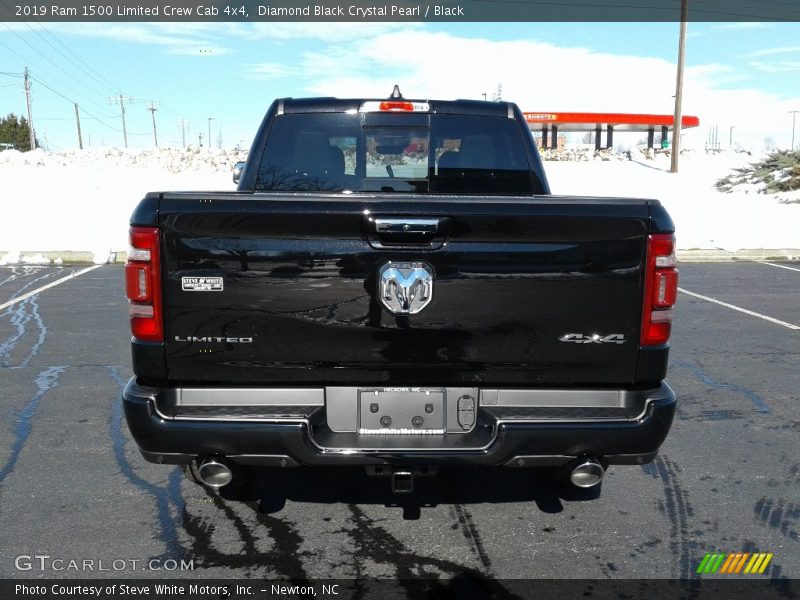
(401, 411)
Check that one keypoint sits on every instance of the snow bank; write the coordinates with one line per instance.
(81, 201)
(166, 159)
(704, 217)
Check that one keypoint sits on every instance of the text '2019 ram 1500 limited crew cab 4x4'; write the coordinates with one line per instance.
(393, 285)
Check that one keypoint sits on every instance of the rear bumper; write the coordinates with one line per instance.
(510, 437)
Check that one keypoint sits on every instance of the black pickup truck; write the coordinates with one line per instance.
(393, 285)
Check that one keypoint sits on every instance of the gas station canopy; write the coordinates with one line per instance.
(555, 123)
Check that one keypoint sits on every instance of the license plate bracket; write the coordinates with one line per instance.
(401, 410)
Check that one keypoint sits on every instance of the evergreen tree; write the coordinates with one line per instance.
(16, 131)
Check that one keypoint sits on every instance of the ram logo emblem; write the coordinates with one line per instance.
(406, 287)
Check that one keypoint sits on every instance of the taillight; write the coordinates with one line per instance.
(143, 284)
(660, 289)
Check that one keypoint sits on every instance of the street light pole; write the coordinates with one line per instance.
(730, 137)
(677, 121)
(794, 114)
(209, 132)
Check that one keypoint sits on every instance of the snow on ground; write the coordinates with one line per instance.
(704, 217)
(81, 201)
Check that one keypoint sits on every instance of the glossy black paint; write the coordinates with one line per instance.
(149, 360)
(146, 212)
(512, 276)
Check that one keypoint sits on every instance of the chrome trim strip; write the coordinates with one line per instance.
(410, 225)
(370, 451)
(316, 397)
(226, 419)
(224, 397)
(388, 432)
(552, 398)
(474, 450)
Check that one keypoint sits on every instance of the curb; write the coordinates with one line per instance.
(719, 255)
(57, 258)
(33, 258)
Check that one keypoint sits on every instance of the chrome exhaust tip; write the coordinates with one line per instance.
(215, 472)
(587, 473)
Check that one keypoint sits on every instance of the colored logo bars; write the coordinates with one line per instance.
(736, 563)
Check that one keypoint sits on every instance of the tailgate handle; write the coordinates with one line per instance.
(406, 226)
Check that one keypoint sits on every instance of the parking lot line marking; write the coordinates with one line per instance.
(740, 309)
(14, 301)
(763, 262)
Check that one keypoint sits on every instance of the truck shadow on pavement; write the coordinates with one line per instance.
(272, 488)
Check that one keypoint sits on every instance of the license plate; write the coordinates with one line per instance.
(401, 411)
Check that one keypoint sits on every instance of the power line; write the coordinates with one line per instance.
(86, 112)
(57, 93)
(40, 36)
(26, 59)
(88, 70)
(99, 120)
(99, 75)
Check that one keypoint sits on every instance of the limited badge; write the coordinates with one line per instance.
(201, 284)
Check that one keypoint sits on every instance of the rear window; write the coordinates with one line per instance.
(338, 152)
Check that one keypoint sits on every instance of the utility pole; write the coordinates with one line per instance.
(78, 120)
(794, 114)
(209, 133)
(124, 128)
(30, 115)
(182, 124)
(677, 122)
(153, 108)
(122, 100)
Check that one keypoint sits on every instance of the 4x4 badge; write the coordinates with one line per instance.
(405, 287)
(595, 338)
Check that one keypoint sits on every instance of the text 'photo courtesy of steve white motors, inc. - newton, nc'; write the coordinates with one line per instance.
(242, 12)
(191, 591)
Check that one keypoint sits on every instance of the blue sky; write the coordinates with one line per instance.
(740, 75)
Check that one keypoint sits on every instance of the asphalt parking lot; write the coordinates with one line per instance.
(73, 486)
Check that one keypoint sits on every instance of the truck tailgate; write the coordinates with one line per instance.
(283, 289)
